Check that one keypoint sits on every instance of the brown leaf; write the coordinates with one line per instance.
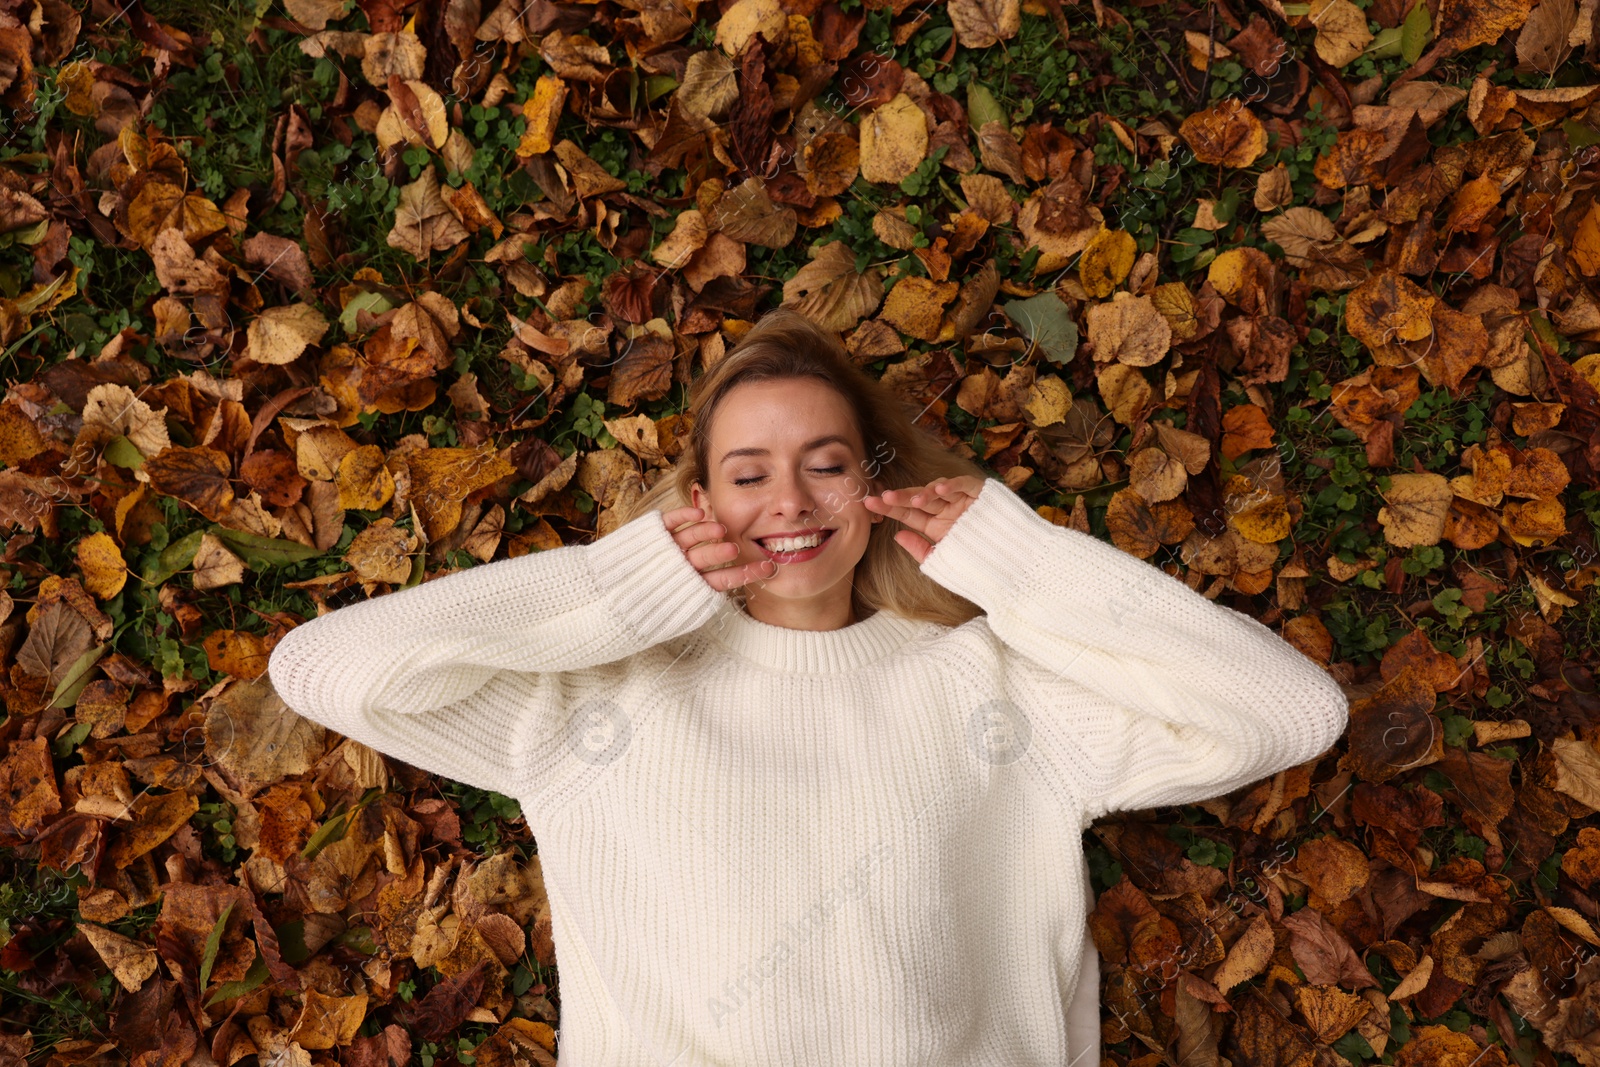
(589, 178)
(1128, 930)
(18, 209)
(1129, 330)
(750, 127)
(644, 372)
(1261, 1033)
(1000, 152)
(1330, 1012)
(198, 476)
(710, 84)
(832, 160)
(255, 739)
(179, 270)
(1323, 953)
(1333, 869)
(829, 291)
(156, 817)
(215, 565)
(327, 1022)
(1249, 955)
(423, 223)
(447, 1004)
(747, 213)
(55, 640)
(1542, 44)
(382, 552)
(1228, 134)
(281, 259)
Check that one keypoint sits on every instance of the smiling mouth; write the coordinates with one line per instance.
(780, 553)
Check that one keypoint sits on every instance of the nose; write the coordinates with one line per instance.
(792, 499)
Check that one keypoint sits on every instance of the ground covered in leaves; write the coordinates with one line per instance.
(309, 301)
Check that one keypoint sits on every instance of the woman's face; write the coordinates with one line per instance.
(785, 456)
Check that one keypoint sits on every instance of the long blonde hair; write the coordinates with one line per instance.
(784, 344)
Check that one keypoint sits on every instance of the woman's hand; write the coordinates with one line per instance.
(930, 511)
(705, 550)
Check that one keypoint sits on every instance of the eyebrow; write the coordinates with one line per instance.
(830, 439)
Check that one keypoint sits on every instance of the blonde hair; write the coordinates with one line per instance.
(784, 344)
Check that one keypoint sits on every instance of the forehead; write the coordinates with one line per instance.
(781, 416)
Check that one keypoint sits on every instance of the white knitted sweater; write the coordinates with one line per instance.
(767, 846)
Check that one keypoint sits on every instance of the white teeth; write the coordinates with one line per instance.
(792, 544)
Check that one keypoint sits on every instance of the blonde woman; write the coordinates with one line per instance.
(807, 744)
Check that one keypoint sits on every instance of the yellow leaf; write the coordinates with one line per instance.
(746, 18)
(894, 139)
(915, 306)
(542, 110)
(279, 334)
(1107, 261)
(100, 560)
(1585, 250)
(132, 962)
(382, 552)
(365, 483)
(1342, 32)
(1048, 401)
(1417, 506)
(981, 23)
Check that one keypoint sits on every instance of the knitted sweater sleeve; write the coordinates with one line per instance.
(1195, 699)
(408, 673)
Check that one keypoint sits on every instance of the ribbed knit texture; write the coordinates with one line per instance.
(767, 846)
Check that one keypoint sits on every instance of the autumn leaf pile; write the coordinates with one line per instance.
(1317, 334)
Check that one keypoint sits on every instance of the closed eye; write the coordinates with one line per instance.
(818, 470)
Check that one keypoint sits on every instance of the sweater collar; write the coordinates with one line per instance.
(812, 651)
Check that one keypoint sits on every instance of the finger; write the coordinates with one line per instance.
(681, 517)
(901, 500)
(963, 485)
(712, 554)
(924, 500)
(734, 577)
(700, 533)
(946, 498)
(910, 516)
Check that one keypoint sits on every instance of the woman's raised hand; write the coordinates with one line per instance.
(705, 550)
(929, 510)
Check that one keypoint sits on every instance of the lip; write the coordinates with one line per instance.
(795, 557)
(796, 533)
